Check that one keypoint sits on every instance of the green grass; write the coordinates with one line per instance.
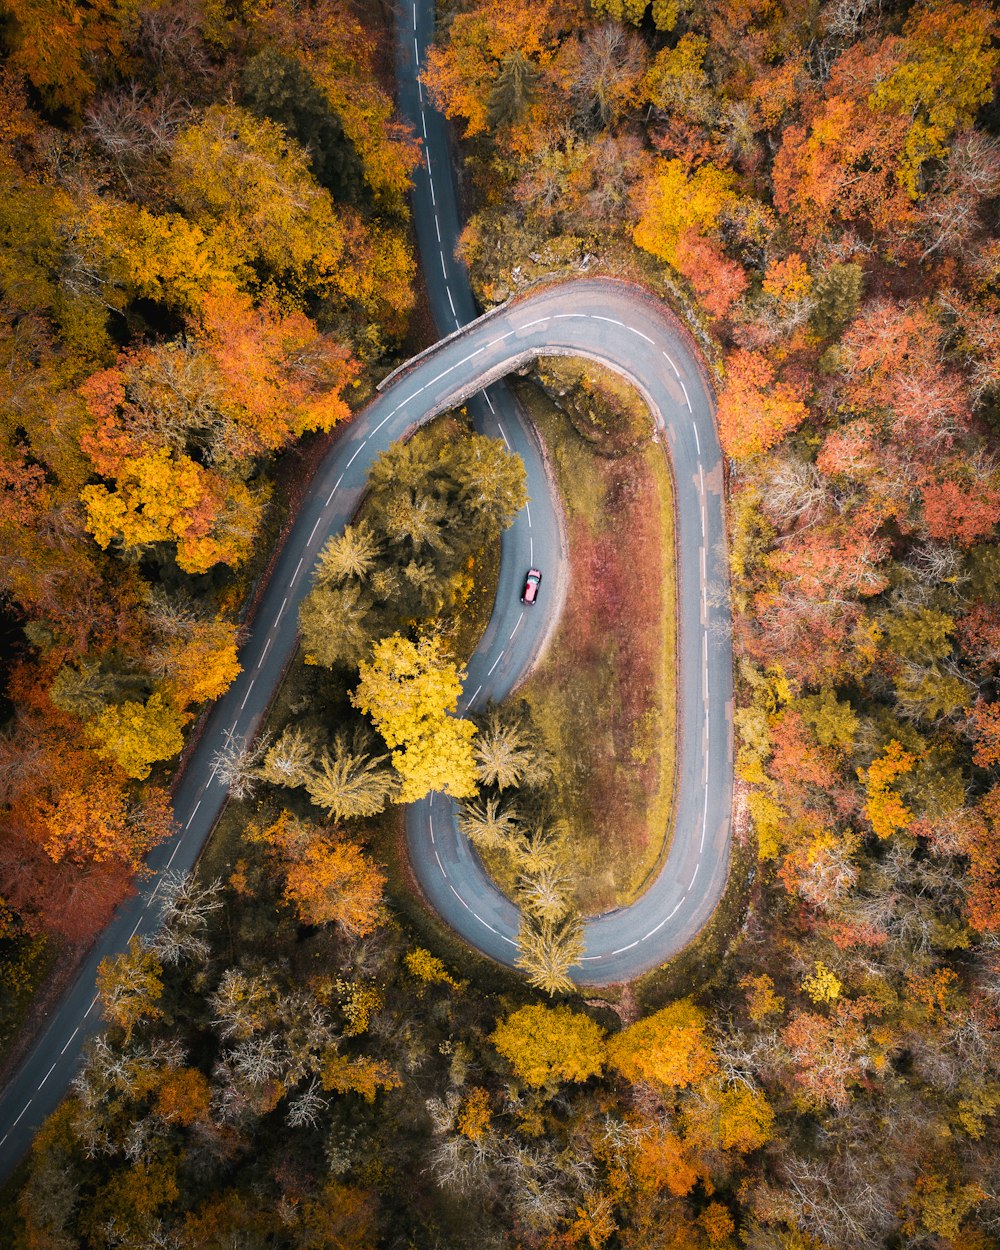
(605, 695)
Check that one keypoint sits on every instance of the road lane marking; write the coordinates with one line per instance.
(697, 440)
(247, 695)
(694, 874)
(485, 922)
(669, 916)
(416, 51)
(91, 1007)
(437, 227)
(19, 1118)
(263, 653)
(531, 549)
(455, 315)
(640, 333)
(444, 267)
(297, 567)
(66, 1046)
(459, 897)
(473, 699)
(46, 1076)
(686, 398)
(516, 627)
(527, 508)
(193, 814)
(610, 320)
(495, 663)
(621, 949)
(440, 865)
(672, 365)
(281, 610)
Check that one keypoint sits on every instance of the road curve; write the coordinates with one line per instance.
(683, 896)
(622, 328)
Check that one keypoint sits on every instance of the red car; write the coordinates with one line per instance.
(531, 583)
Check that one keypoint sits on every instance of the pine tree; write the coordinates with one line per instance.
(513, 92)
(349, 782)
(548, 951)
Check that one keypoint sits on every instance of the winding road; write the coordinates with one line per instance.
(603, 320)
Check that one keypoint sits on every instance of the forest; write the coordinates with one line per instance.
(206, 265)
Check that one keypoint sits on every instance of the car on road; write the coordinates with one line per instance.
(531, 583)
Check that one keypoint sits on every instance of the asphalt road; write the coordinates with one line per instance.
(590, 317)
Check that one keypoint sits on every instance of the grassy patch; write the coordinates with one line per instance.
(605, 695)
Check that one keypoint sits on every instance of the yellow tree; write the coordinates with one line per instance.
(669, 1048)
(410, 690)
(242, 179)
(165, 498)
(884, 809)
(136, 735)
(548, 1045)
(675, 202)
(199, 663)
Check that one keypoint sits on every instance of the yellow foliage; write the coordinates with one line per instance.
(203, 665)
(158, 256)
(409, 689)
(945, 77)
(717, 1223)
(362, 1076)
(767, 815)
(242, 179)
(885, 810)
(547, 1045)
(762, 1001)
(358, 1002)
(136, 735)
(428, 968)
(822, 985)
(674, 202)
(474, 1117)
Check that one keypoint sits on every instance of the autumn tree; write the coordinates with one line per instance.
(669, 1048)
(756, 410)
(409, 690)
(548, 1045)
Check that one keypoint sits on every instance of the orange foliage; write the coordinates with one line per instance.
(183, 1096)
(755, 410)
(663, 1161)
(669, 1048)
(328, 880)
